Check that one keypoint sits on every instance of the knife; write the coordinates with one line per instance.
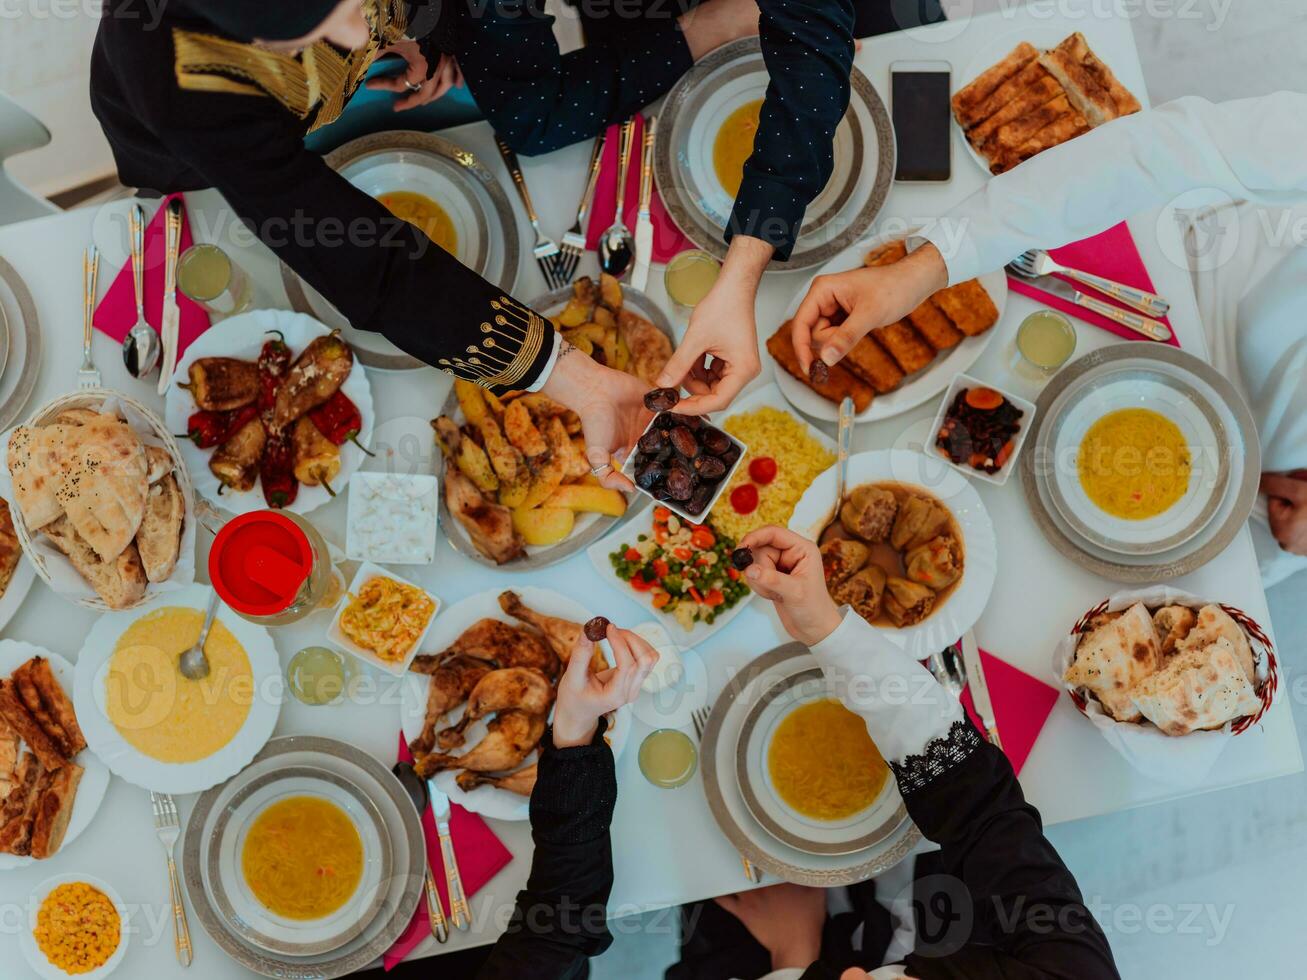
(1140, 324)
(979, 686)
(643, 224)
(459, 914)
(171, 314)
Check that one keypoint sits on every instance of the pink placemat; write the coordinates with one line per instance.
(116, 313)
(481, 856)
(667, 238)
(1112, 254)
(1021, 706)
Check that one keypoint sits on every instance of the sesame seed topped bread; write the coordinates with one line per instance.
(103, 483)
(1111, 659)
(33, 459)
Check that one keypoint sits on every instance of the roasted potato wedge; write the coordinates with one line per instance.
(546, 479)
(475, 464)
(580, 497)
(521, 430)
(575, 313)
(512, 493)
(605, 318)
(472, 400)
(610, 291)
(543, 525)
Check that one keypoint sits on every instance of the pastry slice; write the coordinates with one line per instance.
(48, 703)
(8, 758)
(905, 345)
(1112, 659)
(1089, 84)
(1067, 126)
(1028, 78)
(18, 811)
(1011, 135)
(968, 305)
(15, 713)
(1042, 89)
(868, 360)
(54, 809)
(1200, 688)
(969, 101)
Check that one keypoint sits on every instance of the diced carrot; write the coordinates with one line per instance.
(703, 538)
(661, 599)
(714, 598)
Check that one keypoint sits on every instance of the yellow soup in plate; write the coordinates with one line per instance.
(157, 710)
(1134, 463)
(734, 145)
(303, 858)
(823, 763)
(419, 210)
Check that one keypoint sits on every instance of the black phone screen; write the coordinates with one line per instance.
(920, 106)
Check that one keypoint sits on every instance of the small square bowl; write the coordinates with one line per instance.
(420, 488)
(1027, 409)
(628, 470)
(337, 638)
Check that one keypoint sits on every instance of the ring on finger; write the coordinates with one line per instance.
(597, 470)
(412, 86)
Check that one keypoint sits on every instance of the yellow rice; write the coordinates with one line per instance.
(799, 459)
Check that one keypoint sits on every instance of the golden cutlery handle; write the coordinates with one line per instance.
(90, 263)
(181, 931)
(519, 180)
(750, 871)
(646, 164)
(624, 164)
(1138, 299)
(435, 911)
(137, 220)
(1152, 329)
(458, 910)
(596, 158)
(992, 733)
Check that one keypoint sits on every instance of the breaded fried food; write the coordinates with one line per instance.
(886, 254)
(968, 305)
(16, 715)
(1065, 127)
(967, 101)
(905, 345)
(869, 362)
(1012, 135)
(840, 382)
(930, 321)
(1027, 101)
(1089, 84)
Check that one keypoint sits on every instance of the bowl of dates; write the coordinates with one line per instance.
(683, 461)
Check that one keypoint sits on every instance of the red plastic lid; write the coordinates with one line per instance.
(259, 562)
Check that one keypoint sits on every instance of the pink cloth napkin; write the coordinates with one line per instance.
(1021, 706)
(667, 238)
(481, 856)
(1112, 254)
(116, 313)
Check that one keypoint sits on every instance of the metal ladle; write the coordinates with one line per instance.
(141, 346)
(617, 244)
(194, 665)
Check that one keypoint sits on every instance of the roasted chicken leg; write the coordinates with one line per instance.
(452, 680)
(512, 736)
(520, 782)
(515, 688)
(488, 524)
(561, 634)
(501, 645)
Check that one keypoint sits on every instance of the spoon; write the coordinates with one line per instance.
(617, 244)
(843, 439)
(141, 345)
(948, 669)
(416, 787)
(194, 664)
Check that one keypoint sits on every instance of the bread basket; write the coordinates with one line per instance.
(146, 424)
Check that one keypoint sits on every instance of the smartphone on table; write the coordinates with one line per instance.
(919, 106)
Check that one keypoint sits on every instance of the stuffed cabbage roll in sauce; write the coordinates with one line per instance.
(907, 602)
(919, 520)
(863, 591)
(937, 563)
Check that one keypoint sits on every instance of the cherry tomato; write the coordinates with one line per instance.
(631, 555)
(762, 470)
(660, 568)
(744, 498)
(639, 584)
(702, 538)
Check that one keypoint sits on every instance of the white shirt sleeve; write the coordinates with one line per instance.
(543, 376)
(1249, 149)
(903, 705)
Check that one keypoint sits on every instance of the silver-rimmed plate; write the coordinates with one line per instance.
(693, 113)
(589, 528)
(722, 787)
(1244, 462)
(488, 241)
(245, 913)
(23, 345)
(857, 832)
(403, 889)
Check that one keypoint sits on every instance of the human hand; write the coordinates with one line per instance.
(787, 570)
(585, 696)
(446, 76)
(786, 919)
(713, 23)
(1287, 509)
(840, 309)
(611, 406)
(723, 328)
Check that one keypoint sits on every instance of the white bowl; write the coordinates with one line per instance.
(32, 952)
(338, 639)
(628, 469)
(420, 491)
(1027, 416)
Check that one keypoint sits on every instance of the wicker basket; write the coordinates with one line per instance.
(94, 398)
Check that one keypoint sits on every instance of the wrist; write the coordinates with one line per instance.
(746, 260)
(823, 625)
(572, 377)
(928, 268)
(571, 734)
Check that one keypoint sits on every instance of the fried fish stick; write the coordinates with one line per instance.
(869, 362)
(969, 307)
(840, 382)
(932, 324)
(886, 254)
(904, 345)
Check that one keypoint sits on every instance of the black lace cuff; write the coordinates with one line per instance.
(940, 755)
(575, 791)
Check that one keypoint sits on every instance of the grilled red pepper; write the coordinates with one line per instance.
(277, 471)
(208, 429)
(339, 419)
(274, 361)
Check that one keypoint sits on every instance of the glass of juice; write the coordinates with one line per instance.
(1045, 342)
(207, 275)
(319, 675)
(668, 758)
(688, 278)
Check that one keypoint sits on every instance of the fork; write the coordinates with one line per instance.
(168, 827)
(1037, 262)
(87, 375)
(546, 249)
(700, 718)
(572, 246)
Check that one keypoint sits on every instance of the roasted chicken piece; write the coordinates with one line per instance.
(512, 688)
(650, 348)
(869, 512)
(316, 375)
(562, 634)
(236, 462)
(452, 680)
(489, 525)
(219, 384)
(521, 782)
(512, 736)
(501, 645)
(317, 458)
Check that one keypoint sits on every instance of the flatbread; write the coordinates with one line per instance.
(104, 483)
(1199, 689)
(1112, 659)
(1214, 623)
(33, 456)
(1173, 624)
(120, 583)
(159, 539)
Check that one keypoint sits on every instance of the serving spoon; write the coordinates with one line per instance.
(617, 244)
(843, 440)
(194, 665)
(141, 345)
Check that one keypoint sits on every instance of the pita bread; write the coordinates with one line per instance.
(33, 457)
(1113, 658)
(103, 485)
(1173, 624)
(120, 583)
(159, 538)
(1199, 689)
(1214, 623)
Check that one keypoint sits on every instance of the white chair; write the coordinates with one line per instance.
(19, 131)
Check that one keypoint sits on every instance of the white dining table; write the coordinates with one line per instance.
(667, 849)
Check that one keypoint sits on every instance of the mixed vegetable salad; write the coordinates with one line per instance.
(686, 568)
